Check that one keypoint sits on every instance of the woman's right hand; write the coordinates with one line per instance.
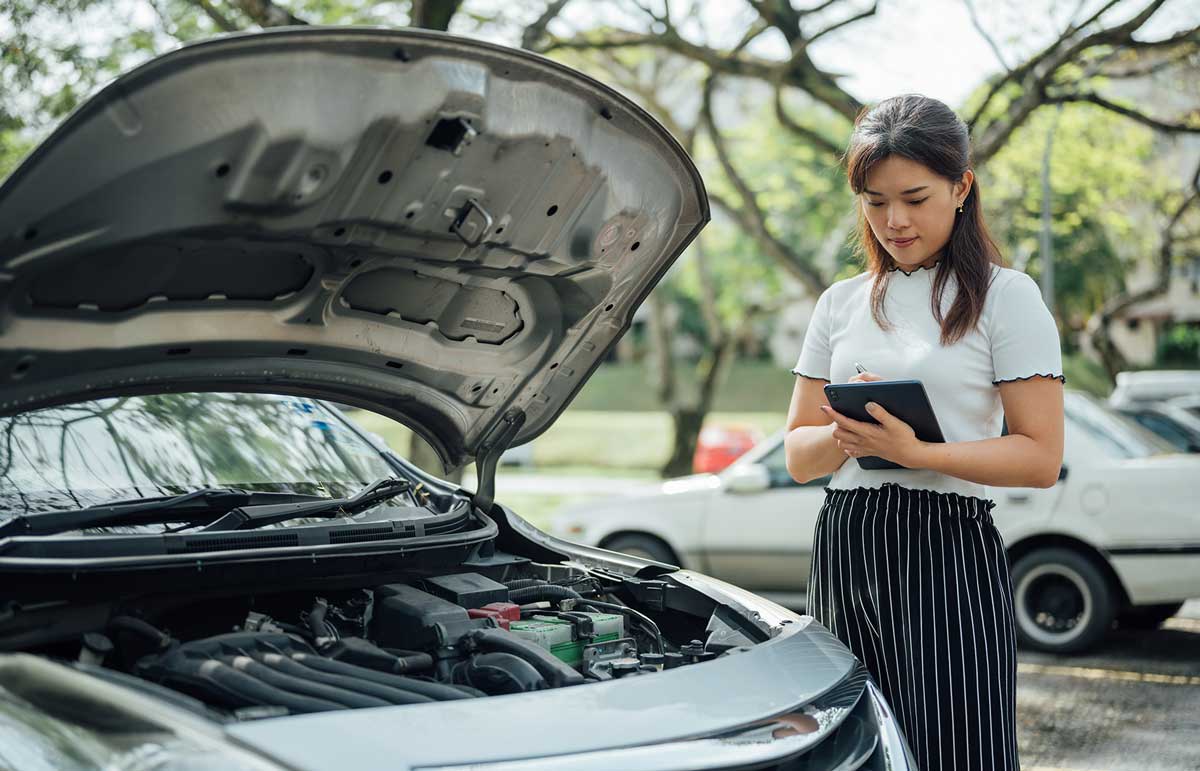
(864, 377)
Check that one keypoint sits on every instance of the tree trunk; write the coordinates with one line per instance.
(1110, 356)
(686, 424)
(434, 14)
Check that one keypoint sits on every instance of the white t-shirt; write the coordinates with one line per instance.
(1016, 338)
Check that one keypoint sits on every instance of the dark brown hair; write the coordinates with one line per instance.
(928, 132)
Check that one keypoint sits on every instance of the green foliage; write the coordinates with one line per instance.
(802, 189)
(1180, 345)
(1103, 190)
(12, 149)
(1083, 374)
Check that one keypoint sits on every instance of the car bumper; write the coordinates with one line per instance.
(738, 711)
(1160, 577)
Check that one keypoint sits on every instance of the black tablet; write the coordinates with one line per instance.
(906, 399)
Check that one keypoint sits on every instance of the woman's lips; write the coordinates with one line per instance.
(902, 242)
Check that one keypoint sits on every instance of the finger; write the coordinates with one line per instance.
(870, 376)
(850, 424)
(879, 413)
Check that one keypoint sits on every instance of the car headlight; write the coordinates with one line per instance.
(849, 727)
(54, 717)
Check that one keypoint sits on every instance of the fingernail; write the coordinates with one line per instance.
(870, 405)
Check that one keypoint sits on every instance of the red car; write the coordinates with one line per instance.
(718, 446)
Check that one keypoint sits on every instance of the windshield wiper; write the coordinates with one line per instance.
(249, 517)
(188, 506)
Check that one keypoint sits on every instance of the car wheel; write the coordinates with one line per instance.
(1147, 616)
(1063, 601)
(644, 546)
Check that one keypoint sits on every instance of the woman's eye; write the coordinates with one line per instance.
(869, 203)
(918, 203)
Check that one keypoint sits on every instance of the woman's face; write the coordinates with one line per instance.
(911, 209)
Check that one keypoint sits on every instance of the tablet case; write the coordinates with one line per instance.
(906, 399)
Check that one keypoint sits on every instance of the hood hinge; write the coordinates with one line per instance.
(490, 450)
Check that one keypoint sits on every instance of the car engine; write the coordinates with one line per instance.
(436, 638)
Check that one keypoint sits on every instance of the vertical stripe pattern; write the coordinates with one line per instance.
(916, 584)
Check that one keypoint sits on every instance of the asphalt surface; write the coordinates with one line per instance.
(1131, 704)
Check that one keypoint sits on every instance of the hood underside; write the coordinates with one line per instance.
(442, 230)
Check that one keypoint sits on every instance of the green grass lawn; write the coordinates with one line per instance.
(590, 442)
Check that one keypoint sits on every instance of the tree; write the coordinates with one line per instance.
(802, 232)
(1104, 187)
(1089, 50)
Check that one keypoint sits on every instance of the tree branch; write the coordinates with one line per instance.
(535, 32)
(984, 34)
(1175, 127)
(215, 14)
(266, 13)
(1113, 359)
(817, 140)
(751, 214)
(1151, 64)
(844, 22)
(1037, 74)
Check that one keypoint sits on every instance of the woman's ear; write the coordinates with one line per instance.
(963, 185)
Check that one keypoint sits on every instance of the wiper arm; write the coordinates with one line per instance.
(249, 517)
(197, 503)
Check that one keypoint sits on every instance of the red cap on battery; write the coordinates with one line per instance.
(503, 612)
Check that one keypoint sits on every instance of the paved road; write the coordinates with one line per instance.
(1132, 704)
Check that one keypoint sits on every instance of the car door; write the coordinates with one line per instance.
(763, 540)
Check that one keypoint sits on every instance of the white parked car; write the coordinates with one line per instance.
(1117, 537)
(1154, 385)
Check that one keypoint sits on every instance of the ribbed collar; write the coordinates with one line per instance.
(930, 268)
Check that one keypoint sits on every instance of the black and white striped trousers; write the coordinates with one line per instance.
(916, 583)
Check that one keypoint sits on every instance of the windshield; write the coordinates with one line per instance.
(1119, 436)
(141, 446)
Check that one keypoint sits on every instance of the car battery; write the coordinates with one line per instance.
(560, 636)
(504, 613)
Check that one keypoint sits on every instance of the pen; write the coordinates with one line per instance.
(859, 367)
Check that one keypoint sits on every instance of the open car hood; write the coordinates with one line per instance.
(448, 232)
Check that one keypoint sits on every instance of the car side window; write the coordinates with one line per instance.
(776, 463)
(1164, 428)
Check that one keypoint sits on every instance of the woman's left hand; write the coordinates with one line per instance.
(892, 439)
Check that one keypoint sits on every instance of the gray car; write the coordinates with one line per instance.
(205, 566)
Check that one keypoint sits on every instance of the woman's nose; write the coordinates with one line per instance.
(897, 219)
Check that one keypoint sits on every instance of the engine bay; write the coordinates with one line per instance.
(457, 635)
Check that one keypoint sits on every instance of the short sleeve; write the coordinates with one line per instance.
(815, 354)
(1024, 337)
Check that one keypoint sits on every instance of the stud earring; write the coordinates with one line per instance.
(960, 207)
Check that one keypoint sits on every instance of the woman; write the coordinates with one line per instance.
(908, 569)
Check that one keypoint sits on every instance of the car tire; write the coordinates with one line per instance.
(1062, 600)
(1147, 616)
(642, 545)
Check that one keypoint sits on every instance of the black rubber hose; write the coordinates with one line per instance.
(549, 592)
(242, 687)
(141, 628)
(387, 693)
(649, 622)
(303, 685)
(316, 619)
(434, 690)
(555, 671)
(497, 673)
(522, 583)
(409, 661)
